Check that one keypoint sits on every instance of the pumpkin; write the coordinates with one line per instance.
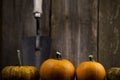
(113, 73)
(90, 70)
(57, 69)
(20, 73)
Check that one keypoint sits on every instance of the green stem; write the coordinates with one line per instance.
(58, 56)
(19, 57)
(91, 58)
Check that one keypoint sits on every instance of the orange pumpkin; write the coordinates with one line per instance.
(57, 69)
(90, 70)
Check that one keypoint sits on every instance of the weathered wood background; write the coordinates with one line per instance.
(72, 25)
(109, 24)
(0, 33)
(74, 28)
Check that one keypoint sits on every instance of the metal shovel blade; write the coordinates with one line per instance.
(33, 57)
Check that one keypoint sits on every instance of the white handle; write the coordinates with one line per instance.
(37, 7)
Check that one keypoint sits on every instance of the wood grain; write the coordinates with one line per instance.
(72, 25)
(18, 23)
(11, 31)
(109, 32)
(74, 29)
(0, 36)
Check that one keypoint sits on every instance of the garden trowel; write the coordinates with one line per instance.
(36, 49)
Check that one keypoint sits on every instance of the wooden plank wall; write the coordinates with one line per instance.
(109, 23)
(16, 16)
(0, 32)
(73, 26)
(18, 23)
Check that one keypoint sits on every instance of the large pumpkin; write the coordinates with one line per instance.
(20, 73)
(90, 70)
(113, 73)
(57, 69)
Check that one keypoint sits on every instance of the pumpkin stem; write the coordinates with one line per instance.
(91, 58)
(58, 55)
(19, 57)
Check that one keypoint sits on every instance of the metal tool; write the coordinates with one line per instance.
(36, 49)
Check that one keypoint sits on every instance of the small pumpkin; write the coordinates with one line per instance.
(57, 69)
(113, 73)
(20, 72)
(90, 70)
